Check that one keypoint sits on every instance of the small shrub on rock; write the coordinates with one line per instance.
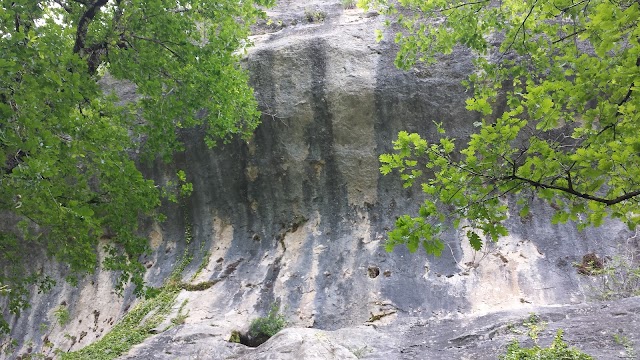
(618, 278)
(235, 337)
(263, 328)
(558, 350)
(315, 16)
(591, 264)
(349, 4)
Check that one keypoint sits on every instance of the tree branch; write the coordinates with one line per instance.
(624, 100)
(570, 190)
(521, 27)
(568, 36)
(94, 55)
(83, 25)
(159, 43)
(571, 6)
(465, 4)
(63, 5)
(630, 91)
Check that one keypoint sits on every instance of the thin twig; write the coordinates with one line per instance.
(158, 42)
(465, 4)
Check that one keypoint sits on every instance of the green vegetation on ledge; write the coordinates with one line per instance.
(131, 330)
(137, 324)
(558, 350)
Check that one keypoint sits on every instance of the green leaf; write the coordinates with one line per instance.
(84, 211)
(474, 240)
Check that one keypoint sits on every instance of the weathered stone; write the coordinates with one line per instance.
(592, 328)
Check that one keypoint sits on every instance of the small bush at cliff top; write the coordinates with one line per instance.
(559, 350)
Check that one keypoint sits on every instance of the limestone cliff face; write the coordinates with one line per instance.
(298, 215)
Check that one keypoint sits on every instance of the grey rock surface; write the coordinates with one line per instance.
(298, 214)
(592, 328)
(589, 327)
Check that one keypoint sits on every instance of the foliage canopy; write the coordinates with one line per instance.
(557, 83)
(67, 149)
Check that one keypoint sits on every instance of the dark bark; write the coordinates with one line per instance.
(83, 26)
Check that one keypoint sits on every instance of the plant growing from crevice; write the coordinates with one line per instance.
(315, 16)
(176, 278)
(8, 346)
(62, 315)
(131, 330)
(629, 351)
(349, 4)
(534, 326)
(618, 277)
(203, 285)
(361, 352)
(138, 323)
(235, 337)
(180, 316)
(277, 24)
(263, 328)
(43, 327)
(206, 258)
(591, 265)
(557, 350)
(268, 325)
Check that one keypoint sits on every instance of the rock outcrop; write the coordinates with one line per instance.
(603, 330)
(297, 216)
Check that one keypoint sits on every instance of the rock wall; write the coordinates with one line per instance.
(297, 216)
